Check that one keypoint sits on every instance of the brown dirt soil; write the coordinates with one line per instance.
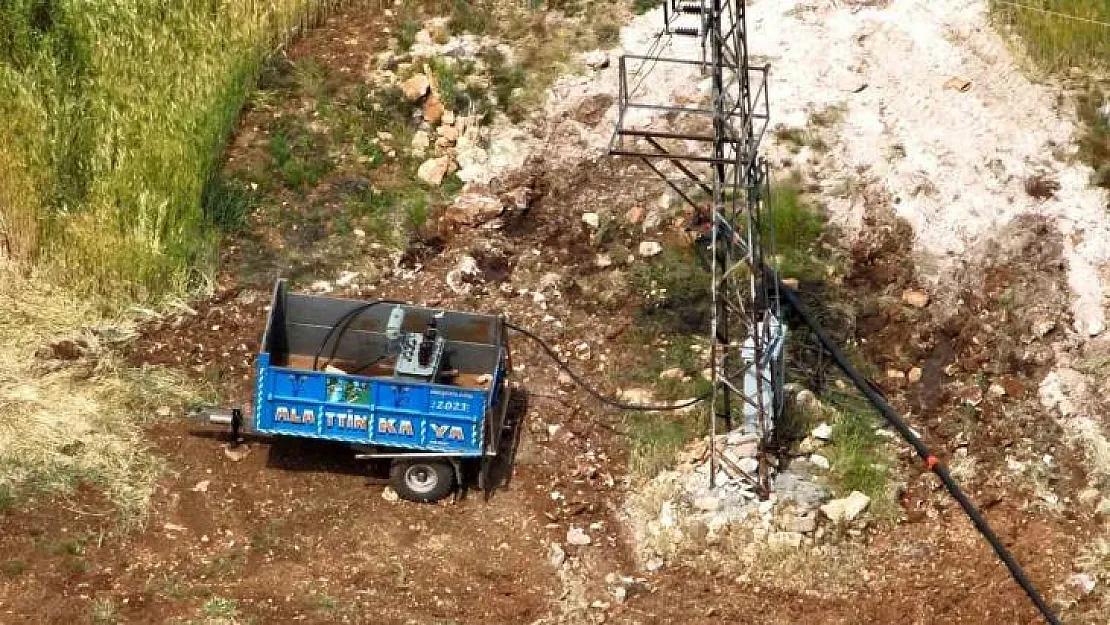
(299, 532)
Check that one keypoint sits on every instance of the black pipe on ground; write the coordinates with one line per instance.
(892, 417)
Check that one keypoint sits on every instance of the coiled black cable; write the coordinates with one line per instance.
(345, 321)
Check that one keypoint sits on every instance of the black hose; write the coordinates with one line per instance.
(931, 461)
(594, 392)
(345, 320)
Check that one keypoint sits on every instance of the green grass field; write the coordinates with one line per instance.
(1056, 42)
(114, 115)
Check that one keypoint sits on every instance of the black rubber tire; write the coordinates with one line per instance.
(422, 480)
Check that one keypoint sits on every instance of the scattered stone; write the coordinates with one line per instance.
(791, 282)
(603, 261)
(472, 209)
(667, 517)
(895, 374)
(822, 432)
(582, 351)
(449, 122)
(346, 278)
(465, 272)
(1042, 327)
(359, 232)
(597, 59)
(390, 495)
(635, 215)
(749, 465)
(448, 134)
(577, 537)
(163, 411)
(914, 375)
(1083, 581)
(799, 523)
(1088, 496)
(846, 509)
(807, 400)
(620, 594)
(996, 390)
(637, 396)
(1103, 507)
(917, 299)
(782, 541)
(674, 373)
(707, 504)
(592, 220)
(201, 486)
(650, 248)
(820, 461)
(433, 110)
(654, 564)
(420, 141)
(237, 453)
(739, 437)
(416, 87)
(556, 555)
(432, 171)
(810, 445)
(956, 83)
(565, 381)
(173, 527)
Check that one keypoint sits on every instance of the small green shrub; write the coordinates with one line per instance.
(796, 227)
(639, 7)
(103, 612)
(857, 452)
(506, 79)
(227, 203)
(1094, 142)
(470, 16)
(13, 568)
(655, 439)
(7, 498)
(675, 289)
(221, 607)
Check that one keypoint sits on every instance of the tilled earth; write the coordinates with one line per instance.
(298, 532)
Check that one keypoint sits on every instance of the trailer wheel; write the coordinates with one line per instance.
(422, 480)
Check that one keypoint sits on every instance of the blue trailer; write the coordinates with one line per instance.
(425, 388)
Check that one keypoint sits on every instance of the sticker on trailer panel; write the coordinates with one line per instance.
(451, 405)
(290, 415)
(345, 421)
(450, 393)
(447, 432)
(396, 427)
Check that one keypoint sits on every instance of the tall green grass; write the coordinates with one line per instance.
(113, 118)
(1055, 42)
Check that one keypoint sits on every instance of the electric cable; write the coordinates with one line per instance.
(594, 392)
(345, 320)
(915, 441)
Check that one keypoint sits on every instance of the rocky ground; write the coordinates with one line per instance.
(526, 219)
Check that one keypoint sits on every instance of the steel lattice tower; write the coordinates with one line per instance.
(710, 158)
